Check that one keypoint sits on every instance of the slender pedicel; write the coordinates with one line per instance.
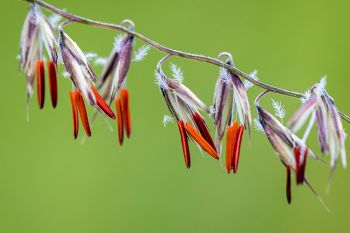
(74, 113)
(124, 97)
(195, 135)
(82, 112)
(237, 148)
(288, 185)
(40, 67)
(120, 123)
(184, 143)
(53, 83)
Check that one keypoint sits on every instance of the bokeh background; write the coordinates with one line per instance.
(51, 183)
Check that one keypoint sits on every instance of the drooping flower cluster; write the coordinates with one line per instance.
(291, 150)
(37, 36)
(230, 102)
(231, 113)
(183, 105)
(113, 80)
(320, 108)
(82, 77)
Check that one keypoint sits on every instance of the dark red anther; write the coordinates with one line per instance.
(203, 129)
(118, 106)
(237, 148)
(184, 142)
(297, 153)
(124, 97)
(74, 113)
(82, 112)
(102, 104)
(303, 166)
(300, 160)
(288, 185)
(53, 83)
(40, 69)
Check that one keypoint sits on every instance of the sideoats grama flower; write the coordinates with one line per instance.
(183, 105)
(291, 150)
(113, 80)
(37, 33)
(319, 107)
(231, 113)
(81, 75)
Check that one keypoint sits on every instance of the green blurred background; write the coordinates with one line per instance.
(51, 183)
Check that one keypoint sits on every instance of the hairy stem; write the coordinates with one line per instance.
(173, 52)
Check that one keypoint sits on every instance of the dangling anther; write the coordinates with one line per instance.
(124, 97)
(195, 135)
(102, 104)
(40, 69)
(184, 142)
(198, 120)
(237, 149)
(74, 113)
(82, 112)
(288, 185)
(120, 120)
(231, 135)
(53, 83)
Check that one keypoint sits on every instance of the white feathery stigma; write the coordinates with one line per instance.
(280, 111)
(141, 53)
(65, 74)
(254, 75)
(321, 86)
(177, 73)
(167, 119)
(307, 96)
(323, 82)
(257, 125)
(118, 40)
(55, 20)
(225, 75)
(100, 61)
(90, 56)
(160, 81)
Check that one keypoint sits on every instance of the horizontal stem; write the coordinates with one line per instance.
(191, 56)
